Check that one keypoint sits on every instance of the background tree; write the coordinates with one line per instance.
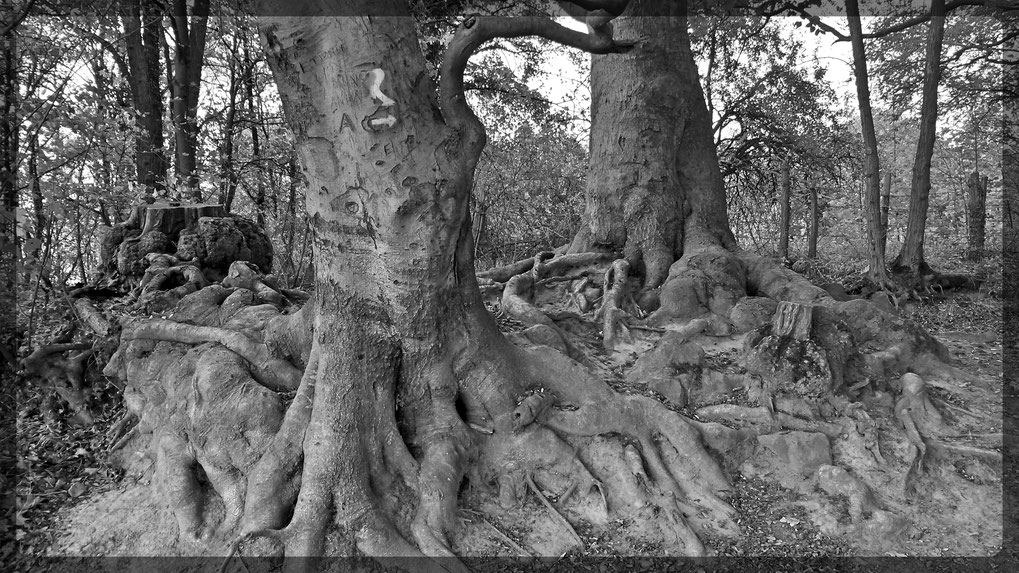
(761, 112)
(878, 268)
(143, 31)
(189, 33)
(911, 255)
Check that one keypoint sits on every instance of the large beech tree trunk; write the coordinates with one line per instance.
(387, 190)
(654, 188)
(399, 318)
(911, 256)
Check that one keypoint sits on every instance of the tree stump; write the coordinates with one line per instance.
(802, 353)
(199, 234)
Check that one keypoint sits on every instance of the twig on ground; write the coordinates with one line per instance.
(551, 508)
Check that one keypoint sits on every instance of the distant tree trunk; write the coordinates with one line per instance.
(654, 188)
(228, 169)
(815, 221)
(976, 207)
(142, 31)
(886, 198)
(1010, 158)
(783, 203)
(9, 132)
(911, 257)
(189, 55)
(877, 272)
(259, 195)
(36, 191)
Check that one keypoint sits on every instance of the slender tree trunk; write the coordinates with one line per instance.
(9, 132)
(228, 171)
(142, 30)
(1010, 157)
(877, 271)
(886, 199)
(783, 224)
(79, 252)
(654, 189)
(815, 221)
(254, 121)
(976, 208)
(911, 256)
(189, 56)
(35, 185)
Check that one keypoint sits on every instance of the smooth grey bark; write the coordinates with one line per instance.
(654, 188)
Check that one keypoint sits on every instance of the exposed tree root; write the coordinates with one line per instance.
(399, 399)
(606, 453)
(557, 264)
(48, 366)
(611, 311)
(270, 371)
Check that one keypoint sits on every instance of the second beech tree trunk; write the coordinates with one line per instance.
(654, 187)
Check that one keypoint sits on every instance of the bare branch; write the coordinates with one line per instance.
(905, 24)
(8, 28)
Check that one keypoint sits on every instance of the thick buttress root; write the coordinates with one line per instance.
(660, 465)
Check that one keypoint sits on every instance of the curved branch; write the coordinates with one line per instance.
(475, 31)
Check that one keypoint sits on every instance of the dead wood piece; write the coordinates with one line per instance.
(92, 318)
(506, 539)
(551, 265)
(766, 419)
(555, 513)
(990, 456)
(63, 375)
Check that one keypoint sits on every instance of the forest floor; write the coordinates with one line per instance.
(69, 501)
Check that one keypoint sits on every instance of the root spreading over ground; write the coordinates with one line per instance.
(568, 440)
